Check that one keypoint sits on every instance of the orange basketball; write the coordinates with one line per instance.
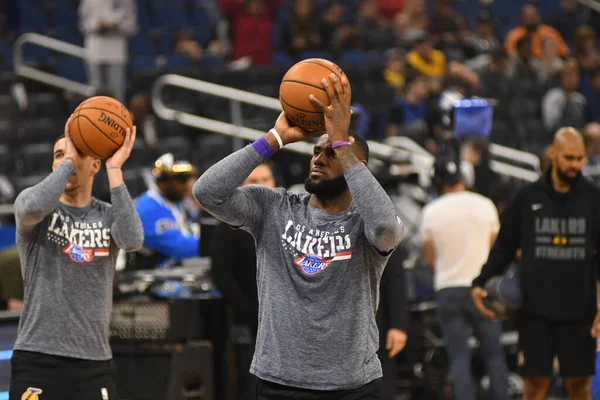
(303, 79)
(98, 126)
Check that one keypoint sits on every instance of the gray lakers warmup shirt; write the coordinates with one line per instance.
(318, 273)
(68, 257)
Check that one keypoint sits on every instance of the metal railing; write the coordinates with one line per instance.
(25, 71)
(236, 128)
(399, 149)
(593, 4)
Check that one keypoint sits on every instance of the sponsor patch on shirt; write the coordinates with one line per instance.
(78, 253)
(313, 264)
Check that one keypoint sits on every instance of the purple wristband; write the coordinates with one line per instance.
(263, 148)
(340, 144)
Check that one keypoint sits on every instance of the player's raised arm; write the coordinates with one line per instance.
(383, 228)
(126, 227)
(218, 191)
(33, 204)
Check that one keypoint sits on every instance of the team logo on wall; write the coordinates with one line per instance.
(31, 394)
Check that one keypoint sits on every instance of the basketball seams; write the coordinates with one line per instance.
(100, 130)
(81, 135)
(299, 109)
(303, 83)
(110, 112)
(322, 65)
(298, 83)
(93, 99)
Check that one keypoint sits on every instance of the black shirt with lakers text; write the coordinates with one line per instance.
(558, 234)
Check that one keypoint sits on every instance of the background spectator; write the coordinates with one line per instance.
(563, 105)
(409, 115)
(395, 71)
(586, 48)
(107, 24)
(591, 90)
(592, 141)
(251, 24)
(302, 31)
(426, 60)
(532, 27)
(570, 15)
(376, 30)
(337, 34)
(185, 44)
(412, 22)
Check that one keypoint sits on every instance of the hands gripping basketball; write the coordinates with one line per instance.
(70, 149)
(337, 114)
(291, 134)
(118, 159)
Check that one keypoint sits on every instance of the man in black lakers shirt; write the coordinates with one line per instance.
(556, 223)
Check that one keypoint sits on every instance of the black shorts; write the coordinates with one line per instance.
(48, 377)
(541, 340)
(272, 391)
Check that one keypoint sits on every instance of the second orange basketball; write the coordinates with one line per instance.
(301, 80)
(98, 126)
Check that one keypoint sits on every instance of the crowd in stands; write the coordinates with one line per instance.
(538, 63)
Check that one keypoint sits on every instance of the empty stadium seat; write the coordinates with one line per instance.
(32, 18)
(72, 68)
(171, 17)
(283, 59)
(140, 63)
(7, 132)
(6, 159)
(46, 105)
(134, 181)
(140, 155)
(70, 36)
(43, 130)
(178, 61)
(143, 18)
(355, 57)
(66, 17)
(35, 158)
(212, 62)
(201, 25)
(180, 146)
(33, 54)
(5, 54)
(141, 44)
(8, 107)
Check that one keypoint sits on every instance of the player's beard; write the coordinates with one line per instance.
(565, 178)
(328, 188)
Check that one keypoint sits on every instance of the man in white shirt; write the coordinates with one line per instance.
(106, 26)
(458, 230)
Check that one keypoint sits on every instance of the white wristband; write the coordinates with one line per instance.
(276, 134)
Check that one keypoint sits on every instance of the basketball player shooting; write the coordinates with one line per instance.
(320, 257)
(68, 243)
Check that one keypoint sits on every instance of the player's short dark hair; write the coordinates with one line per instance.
(361, 144)
(60, 137)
